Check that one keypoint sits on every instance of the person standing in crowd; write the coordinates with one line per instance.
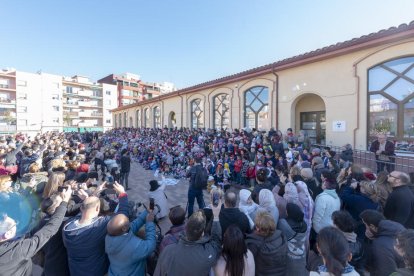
(173, 235)
(268, 246)
(194, 254)
(195, 189)
(232, 215)
(235, 259)
(84, 237)
(400, 203)
(326, 203)
(382, 260)
(125, 168)
(404, 245)
(334, 250)
(347, 225)
(128, 253)
(294, 229)
(384, 153)
(16, 253)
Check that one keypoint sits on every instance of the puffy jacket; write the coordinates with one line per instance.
(270, 253)
(325, 204)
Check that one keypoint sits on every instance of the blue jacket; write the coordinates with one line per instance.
(86, 245)
(127, 253)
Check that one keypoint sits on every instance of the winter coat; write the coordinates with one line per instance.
(249, 266)
(229, 216)
(355, 203)
(16, 254)
(26, 162)
(314, 188)
(128, 253)
(86, 245)
(325, 204)
(159, 198)
(296, 261)
(270, 253)
(172, 236)
(400, 206)
(188, 258)
(125, 164)
(382, 258)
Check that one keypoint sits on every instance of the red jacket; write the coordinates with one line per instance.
(251, 172)
(238, 164)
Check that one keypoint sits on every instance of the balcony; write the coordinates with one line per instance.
(72, 114)
(88, 103)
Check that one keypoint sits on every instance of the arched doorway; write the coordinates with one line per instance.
(172, 121)
(310, 117)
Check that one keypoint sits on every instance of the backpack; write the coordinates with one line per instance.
(201, 178)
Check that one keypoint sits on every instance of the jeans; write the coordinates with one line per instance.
(123, 178)
(192, 195)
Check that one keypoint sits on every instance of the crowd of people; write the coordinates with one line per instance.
(278, 206)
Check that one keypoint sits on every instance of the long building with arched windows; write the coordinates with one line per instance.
(344, 93)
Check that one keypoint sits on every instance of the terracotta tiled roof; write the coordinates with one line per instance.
(354, 44)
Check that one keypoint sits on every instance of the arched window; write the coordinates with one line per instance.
(157, 117)
(256, 108)
(138, 118)
(146, 117)
(221, 105)
(391, 101)
(125, 120)
(196, 114)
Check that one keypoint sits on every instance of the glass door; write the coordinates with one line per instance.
(314, 126)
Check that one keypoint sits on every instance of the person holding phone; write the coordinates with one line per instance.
(84, 237)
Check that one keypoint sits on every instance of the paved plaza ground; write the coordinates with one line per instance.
(177, 195)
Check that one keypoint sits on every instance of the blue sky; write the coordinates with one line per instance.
(184, 42)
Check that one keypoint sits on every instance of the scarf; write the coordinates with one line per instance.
(347, 269)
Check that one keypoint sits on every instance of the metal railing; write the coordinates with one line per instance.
(403, 163)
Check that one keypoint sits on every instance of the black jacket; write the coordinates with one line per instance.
(56, 257)
(313, 187)
(125, 164)
(382, 259)
(270, 254)
(229, 216)
(400, 206)
(15, 255)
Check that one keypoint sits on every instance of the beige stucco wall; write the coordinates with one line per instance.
(336, 82)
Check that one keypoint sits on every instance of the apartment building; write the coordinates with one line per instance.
(86, 105)
(131, 89)
(7, 100)
(40, 102)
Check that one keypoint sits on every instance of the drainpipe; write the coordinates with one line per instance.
(182, 112)
(357, 113)
(277, 96)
